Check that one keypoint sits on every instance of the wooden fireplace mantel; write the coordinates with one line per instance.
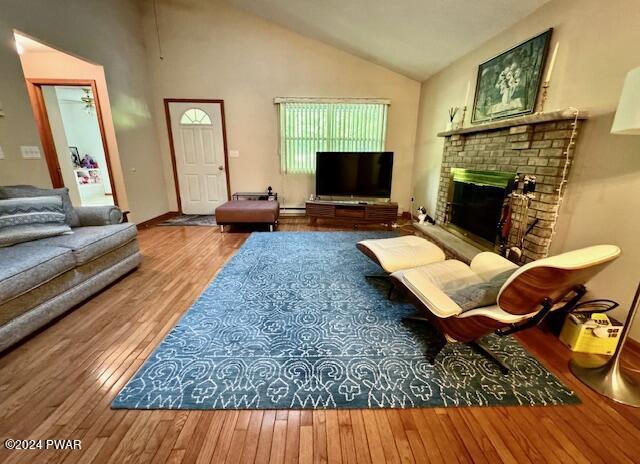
(536, 118)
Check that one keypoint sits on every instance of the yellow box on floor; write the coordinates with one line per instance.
(591, 334)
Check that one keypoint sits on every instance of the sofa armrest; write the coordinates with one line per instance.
(99, 215)
(487, 265)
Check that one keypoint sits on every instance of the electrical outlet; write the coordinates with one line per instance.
(30, 152)
(234, 154)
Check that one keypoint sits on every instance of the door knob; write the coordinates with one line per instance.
(220, 168)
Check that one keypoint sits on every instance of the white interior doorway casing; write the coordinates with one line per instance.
(197, 135)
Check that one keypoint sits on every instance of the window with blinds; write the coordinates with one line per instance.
(308, 127)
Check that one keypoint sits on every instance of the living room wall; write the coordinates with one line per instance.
(597, 47)
(214, 50)
(106, 33)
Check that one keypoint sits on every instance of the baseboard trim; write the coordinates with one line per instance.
(157, 220)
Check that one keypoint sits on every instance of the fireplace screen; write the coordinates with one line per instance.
(476, 199)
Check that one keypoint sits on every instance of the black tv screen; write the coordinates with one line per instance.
(362, 174)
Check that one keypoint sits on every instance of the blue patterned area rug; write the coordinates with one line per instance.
(290, 322)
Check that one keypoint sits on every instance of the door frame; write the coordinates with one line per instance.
(172, 151)
(34, 89)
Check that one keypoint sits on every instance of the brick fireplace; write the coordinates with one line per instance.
(535, 145)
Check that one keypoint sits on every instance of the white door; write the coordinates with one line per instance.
(198, 145)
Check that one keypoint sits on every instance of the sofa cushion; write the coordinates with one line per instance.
(88, 243)
(64, 282)
(27, 266)
(25, 219)
(22, 191)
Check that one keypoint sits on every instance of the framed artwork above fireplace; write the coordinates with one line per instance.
(508, 84)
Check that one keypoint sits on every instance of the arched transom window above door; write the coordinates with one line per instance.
(195, 117)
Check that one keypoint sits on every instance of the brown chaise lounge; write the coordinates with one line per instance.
(248, 212)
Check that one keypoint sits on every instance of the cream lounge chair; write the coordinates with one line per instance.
(510, 298)
(399, 253)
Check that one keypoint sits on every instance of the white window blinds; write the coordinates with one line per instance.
(309, 127)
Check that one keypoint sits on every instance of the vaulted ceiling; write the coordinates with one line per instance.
(414, 37)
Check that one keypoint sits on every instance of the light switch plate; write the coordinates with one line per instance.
(30, 152)
(234, 154)
(1, 153)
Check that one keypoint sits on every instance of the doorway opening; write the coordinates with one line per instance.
(70, 103)
(198, 146)
(76, 131)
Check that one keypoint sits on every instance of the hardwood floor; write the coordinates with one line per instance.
(60, 383)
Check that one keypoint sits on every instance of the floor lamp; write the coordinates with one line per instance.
(612, 379)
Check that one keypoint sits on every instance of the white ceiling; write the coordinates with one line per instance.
(414, 37)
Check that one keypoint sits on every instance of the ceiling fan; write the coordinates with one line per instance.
(87, 100)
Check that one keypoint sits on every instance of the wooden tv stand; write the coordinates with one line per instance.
(353, 212)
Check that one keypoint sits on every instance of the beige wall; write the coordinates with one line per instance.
(597, 46)
(213, 50)
(106, 33)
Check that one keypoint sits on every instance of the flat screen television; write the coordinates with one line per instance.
(358, 174)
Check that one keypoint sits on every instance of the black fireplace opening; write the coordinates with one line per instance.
(476, 201)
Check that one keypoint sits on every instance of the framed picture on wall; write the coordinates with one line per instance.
(75, 157)
(508, 84)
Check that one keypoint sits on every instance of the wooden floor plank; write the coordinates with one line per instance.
(279, 441)
(226, 434)
(305, 452)
(441, 438)
(293, 437)
(266, 436)
(413, 437)
(374, 440)
(389, 447)
(360, 437)
(196, 442)
(235, 449)
(60, 383)
(168, 442)
(334, 447)
(253, 435)
(320, 453)
(426, 436)
(471, 439)
(347, 443)
(400, 436)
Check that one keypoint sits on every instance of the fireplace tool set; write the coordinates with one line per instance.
(514, 223)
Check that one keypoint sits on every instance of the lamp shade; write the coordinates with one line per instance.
(627, 120)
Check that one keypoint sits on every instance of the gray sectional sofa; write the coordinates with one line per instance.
(42, 279)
